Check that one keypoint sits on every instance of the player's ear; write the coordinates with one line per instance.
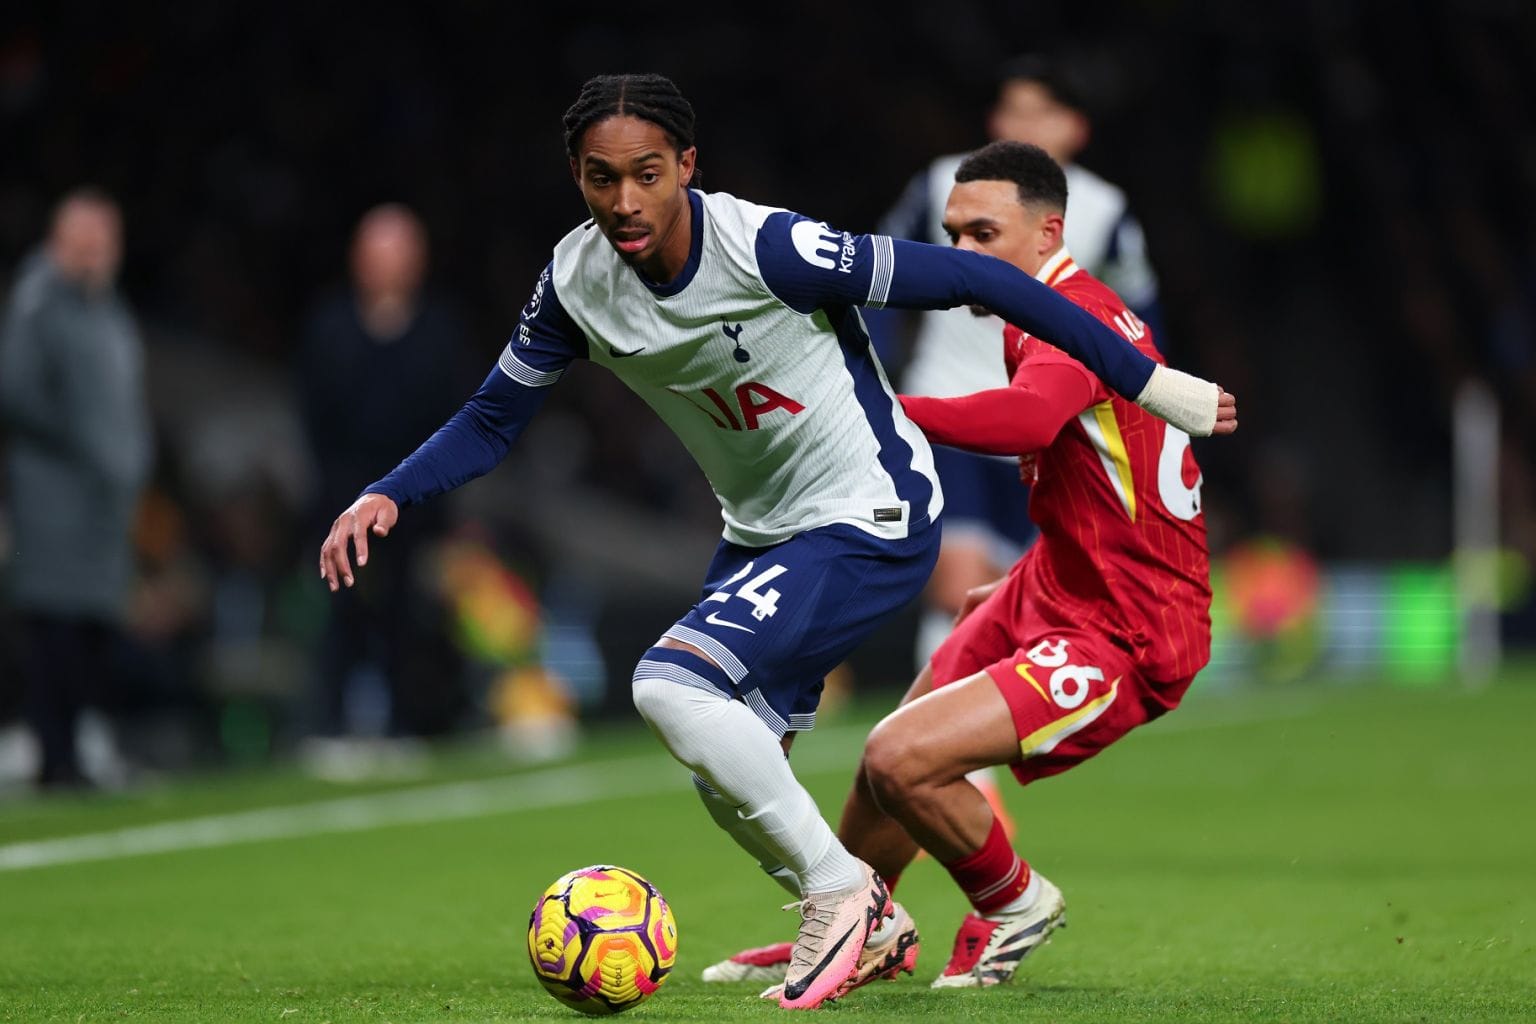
(1051, 227)
(575, 171)
(685, 162)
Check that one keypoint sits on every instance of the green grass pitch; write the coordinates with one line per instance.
(1327, 854)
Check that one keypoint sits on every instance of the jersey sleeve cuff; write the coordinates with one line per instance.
(524, 374)
(392, 493)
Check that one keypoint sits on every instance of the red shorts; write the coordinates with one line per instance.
(1071, 692)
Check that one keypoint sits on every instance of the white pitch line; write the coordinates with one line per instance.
(552, 787)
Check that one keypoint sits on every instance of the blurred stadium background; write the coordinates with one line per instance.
(1338, 205)
(1337, 198)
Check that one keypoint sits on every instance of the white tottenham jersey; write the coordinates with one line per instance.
(959, 353)
(757, 358)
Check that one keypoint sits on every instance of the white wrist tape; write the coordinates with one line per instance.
(1186, 401)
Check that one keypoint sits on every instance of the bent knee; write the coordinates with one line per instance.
(649, 695)
(667, 679)
(892, 760)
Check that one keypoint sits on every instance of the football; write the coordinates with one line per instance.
(602, 939)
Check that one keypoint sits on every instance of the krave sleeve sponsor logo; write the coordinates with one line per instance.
(822, 247)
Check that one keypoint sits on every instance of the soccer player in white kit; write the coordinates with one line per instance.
(739, 325)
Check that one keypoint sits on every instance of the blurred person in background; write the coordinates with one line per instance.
(393, 350)
(73, 404)
(1042, 101)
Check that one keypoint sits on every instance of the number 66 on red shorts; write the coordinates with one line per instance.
(1071, 692)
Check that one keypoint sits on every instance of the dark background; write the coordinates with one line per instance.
(1338, 197)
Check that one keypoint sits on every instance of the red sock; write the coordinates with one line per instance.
(890, 881)
(994, 875)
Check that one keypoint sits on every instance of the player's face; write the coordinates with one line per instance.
(986, 216)
(1027, 112)
(635, 184)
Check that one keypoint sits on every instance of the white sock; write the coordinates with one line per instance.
(726, 817)
(740, 757)
(1023, 901)
(835, 870)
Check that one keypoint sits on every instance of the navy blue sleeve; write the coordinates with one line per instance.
(480, 434)
(810, 266)
(909, 218)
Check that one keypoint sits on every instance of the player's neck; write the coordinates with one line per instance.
(1050, 263)
(672, 255)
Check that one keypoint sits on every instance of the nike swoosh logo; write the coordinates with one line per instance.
(1023, 670)
(710, 618)
(620, 354)
(796, 991)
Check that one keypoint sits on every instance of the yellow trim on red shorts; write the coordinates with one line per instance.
(1044, 739)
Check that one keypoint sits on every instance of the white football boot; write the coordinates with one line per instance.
(989, 949)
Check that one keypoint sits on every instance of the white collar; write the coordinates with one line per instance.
(1059, 267)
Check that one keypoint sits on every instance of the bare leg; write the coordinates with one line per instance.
(869, 833)
(916, 760)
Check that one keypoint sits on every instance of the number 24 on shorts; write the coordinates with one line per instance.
(764, 602)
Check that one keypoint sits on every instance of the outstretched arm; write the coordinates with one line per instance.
(1024, 417)
(470, 444)
(811, 266)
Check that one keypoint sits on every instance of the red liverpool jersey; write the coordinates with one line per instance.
(1117, 500)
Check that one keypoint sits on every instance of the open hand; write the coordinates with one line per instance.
(372, 513)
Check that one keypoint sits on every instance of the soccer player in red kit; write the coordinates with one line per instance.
(1099, 628)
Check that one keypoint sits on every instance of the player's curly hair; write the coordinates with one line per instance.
(1039, 178)
(650, 97)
